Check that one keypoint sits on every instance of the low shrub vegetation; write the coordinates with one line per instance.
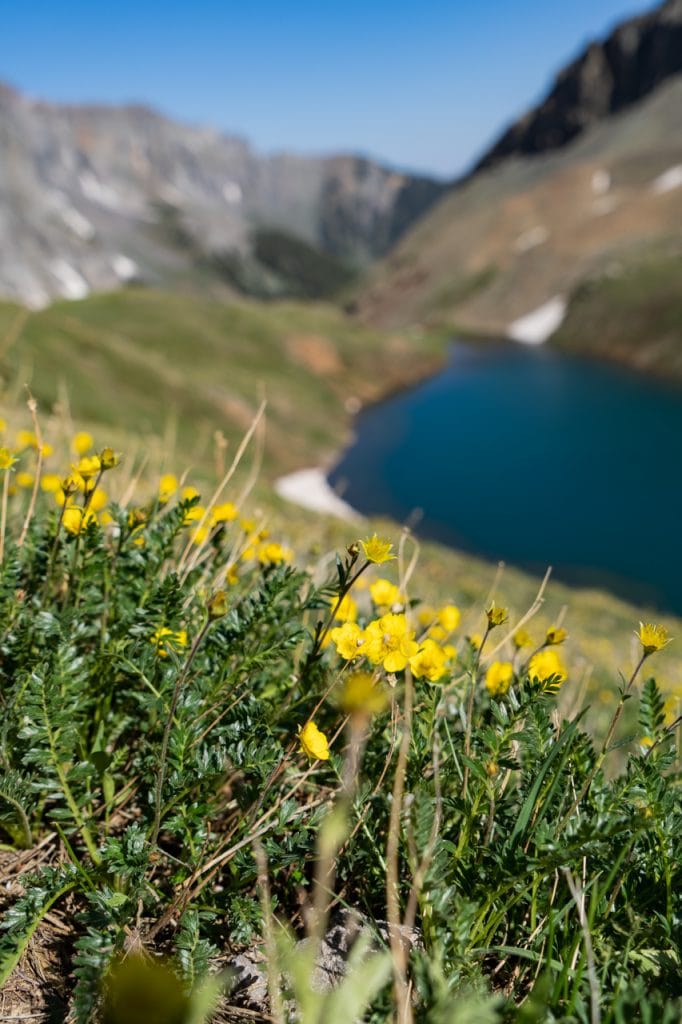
(206, 746)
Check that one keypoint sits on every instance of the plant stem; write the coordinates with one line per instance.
(161, 775)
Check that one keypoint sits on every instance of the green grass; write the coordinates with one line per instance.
(160, 807)
(633, 314)
(151, 363)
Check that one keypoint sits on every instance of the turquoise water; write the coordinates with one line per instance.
(537, 458)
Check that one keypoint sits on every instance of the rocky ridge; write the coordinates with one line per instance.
(94, 197)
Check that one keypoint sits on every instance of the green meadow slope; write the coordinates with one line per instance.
(158, 374)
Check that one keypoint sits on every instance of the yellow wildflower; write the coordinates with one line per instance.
(475, 639)
(168, 485)
(76, 519)
(554, 635)
(272, 553)
(362, 694)
(545, 664)
(25, 479)
(108, 458)
(426, 615)
(217, 605)
(377, 549)
(522, 638)
(194, 514)
(652, 638)
(3, 425)
(225, 513)
(247, 525)
(390, 642)
(46, 450)
(496, 616)
(50, 483)
(349, 640)
(450, 652)
(429, 662)
(7, 460)
(163, 638)
(313, 742)
(449, 617)
(346, 610)
(232, 576)
(189, 492)
(499, 677)
(98, 500)
(25, 439)
(81, 443)
(385, 594)
(437, 633)
(88, 466)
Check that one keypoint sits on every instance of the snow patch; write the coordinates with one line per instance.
(94, 190)
(72, 284)
(536, 327)
(125, 268)
(666, 182)
(531, 238)
(309, 488)
(232, 192)
(601, 182)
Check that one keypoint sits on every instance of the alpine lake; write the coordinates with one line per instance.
(535, 457)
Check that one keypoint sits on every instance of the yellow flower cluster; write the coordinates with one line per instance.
(163, 638)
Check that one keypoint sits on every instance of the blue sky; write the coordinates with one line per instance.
(421, 85)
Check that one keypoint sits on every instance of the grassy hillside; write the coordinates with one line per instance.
(158, 374)
(509, 239)
(633, 314)
(161, 365)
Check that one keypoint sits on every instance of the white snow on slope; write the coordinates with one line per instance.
(536, 327)
(666, 182)
(309, 488)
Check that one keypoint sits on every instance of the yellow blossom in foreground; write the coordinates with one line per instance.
(426, 615)
(98, 500)
(449, 617)
(349, 640)
(385, 594)
(545, 664)
(25, 439)
(76, 519)
(272, 553)
(362, 694)
(429, 662)
(496, 616)
(168, 485)
(377, 549)
(346, 610)
(163, 638)
(108, 458)
(187, 493)
(522, 638)
(225, 513)
(652, 638)
(499, 677)
(25, 479)
(88, 466)
(555, 635)
(194, 514)
(81, 443)
(314, 743)
(50, 483)
(390, 642)
(7, 460)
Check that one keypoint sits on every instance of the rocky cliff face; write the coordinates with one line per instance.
(94, 197)
(637, 56)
